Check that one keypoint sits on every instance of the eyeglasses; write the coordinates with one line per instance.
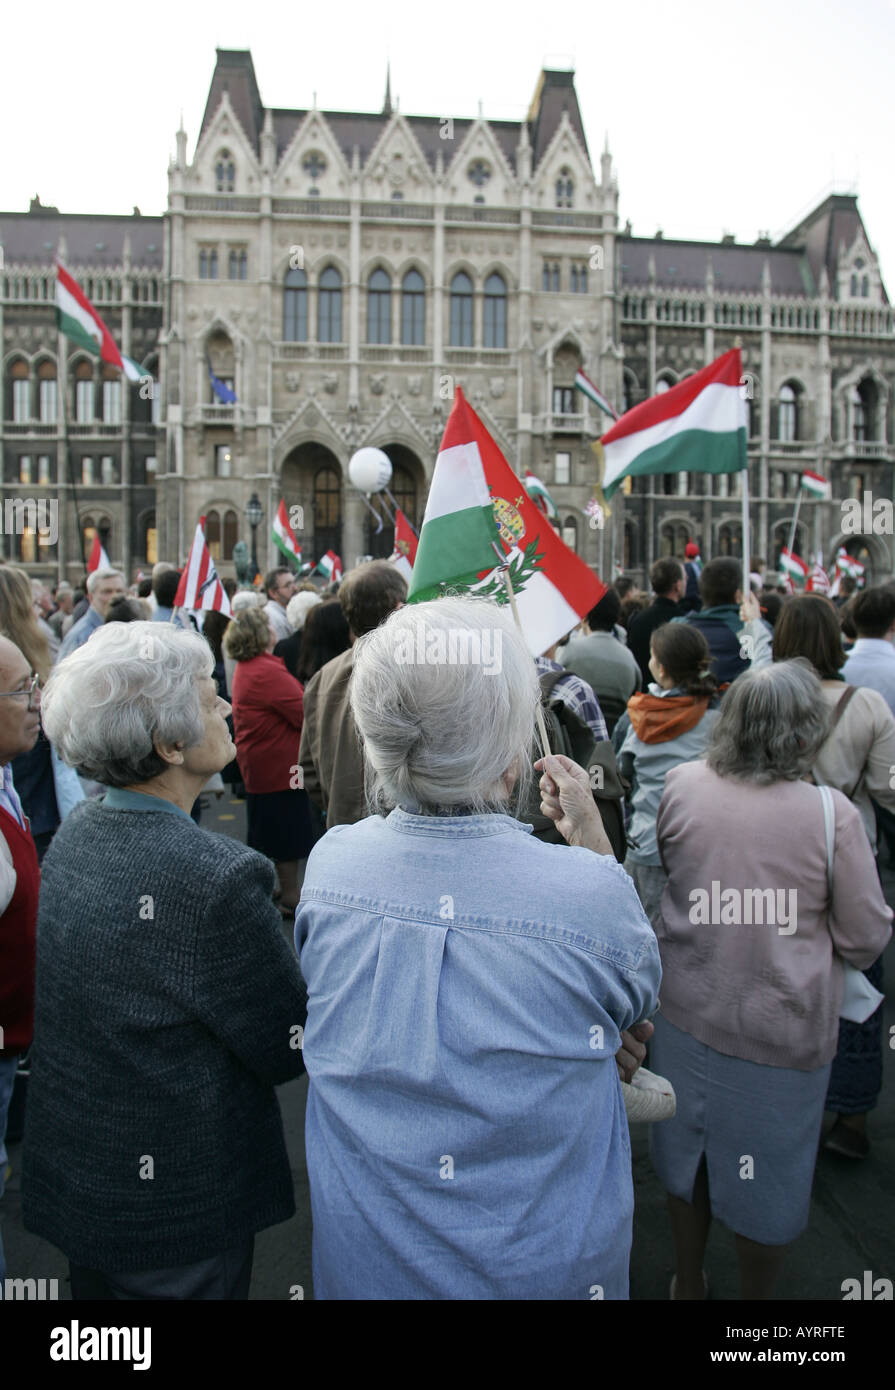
(29, 693)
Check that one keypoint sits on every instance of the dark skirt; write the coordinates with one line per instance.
(857, 1076)
(280, 824)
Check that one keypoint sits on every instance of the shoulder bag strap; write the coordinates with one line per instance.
(842, 705)
(829, 832)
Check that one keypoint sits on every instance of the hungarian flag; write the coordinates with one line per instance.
(699, 426)
(793, 566)
(478, 517)
(283, 535)
(818, 580)
(199, 586)
(406, 543)
(846, 565)
(816, 485)
(330, 565)
(592, 392)
(99, 560)
(78, 320)
(540, 496)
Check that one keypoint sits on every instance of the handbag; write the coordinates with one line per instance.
(859, 999)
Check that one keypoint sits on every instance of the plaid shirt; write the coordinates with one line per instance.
(578, 695)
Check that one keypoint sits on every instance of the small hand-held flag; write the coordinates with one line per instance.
(99, 560)
(593, 393)
(404, 553)
(540, 496)
(793, 566)
(284, 537)
(199, 586)
(329, 565)
(77, 319)
(476, 504)
(698, 426)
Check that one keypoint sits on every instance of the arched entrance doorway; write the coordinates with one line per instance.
(312, 479)
(409, 491)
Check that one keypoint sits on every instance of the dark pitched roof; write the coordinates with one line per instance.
(92, 239)
(234, 73)
(554, 94)
(834, 222)
(683, 264)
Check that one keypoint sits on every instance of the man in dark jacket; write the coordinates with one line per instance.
(719, 621)
(668, 582)
(332, 761)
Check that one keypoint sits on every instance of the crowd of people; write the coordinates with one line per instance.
(489, 939)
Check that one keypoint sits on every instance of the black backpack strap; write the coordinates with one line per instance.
(842, 705)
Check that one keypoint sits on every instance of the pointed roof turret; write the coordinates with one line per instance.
(387, 104)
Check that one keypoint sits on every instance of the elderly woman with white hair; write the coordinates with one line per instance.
(469, 987)
(771, 886)
(168, 1004)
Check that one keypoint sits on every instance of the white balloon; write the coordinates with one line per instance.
(370, 470)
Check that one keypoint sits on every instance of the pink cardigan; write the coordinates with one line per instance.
(746, 938)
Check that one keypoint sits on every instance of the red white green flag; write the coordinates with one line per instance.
(540, 496)
(330, 565)
(79, 321)
(283, 535)
(794, 566)
(816, 485)
(699, 426)
(99, 560)
(406, 544)
(478, 509)
(199, 587)
(593, 393)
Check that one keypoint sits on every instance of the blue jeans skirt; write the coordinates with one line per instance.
(758, 1127)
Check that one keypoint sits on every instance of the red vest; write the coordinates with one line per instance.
(18, 941)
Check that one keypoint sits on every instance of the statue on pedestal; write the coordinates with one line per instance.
(241, 565)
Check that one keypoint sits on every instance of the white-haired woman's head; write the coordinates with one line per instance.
(444, 696)
(299, 606)
(132, 682)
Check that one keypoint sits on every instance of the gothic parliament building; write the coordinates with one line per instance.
(341, 272)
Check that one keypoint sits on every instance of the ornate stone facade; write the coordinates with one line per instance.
(343, 272)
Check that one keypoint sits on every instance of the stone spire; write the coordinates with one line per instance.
(387, 104)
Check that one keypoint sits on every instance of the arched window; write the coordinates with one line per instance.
(554, 278)
(854, 287)
(84, 394)
(238, 265)
(231, 533)
(570, 533)
(329, 317)
(730, 540)
(327, 511)
(788, 422)
(212, 265)
(225, 172)
(90, 527)
(461, 310)
(213, 535)
(403, 489)
(495, 324)
(864, 411)
(564, 188)
(865, 286)
(295, 307)
(111, 396)
(46, 375)
(413, 309)
(379, 307)
(21, 392)
(663, 384)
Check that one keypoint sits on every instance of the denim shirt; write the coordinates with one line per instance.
(466, 1135)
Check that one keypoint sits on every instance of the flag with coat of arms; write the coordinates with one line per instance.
(200, 588)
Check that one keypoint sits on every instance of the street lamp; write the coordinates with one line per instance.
(254, 516)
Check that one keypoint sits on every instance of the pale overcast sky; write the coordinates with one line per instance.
(721, 117)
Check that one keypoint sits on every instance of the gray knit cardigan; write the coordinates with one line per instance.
(168, 1004)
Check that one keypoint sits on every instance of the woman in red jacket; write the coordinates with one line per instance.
(267, 720)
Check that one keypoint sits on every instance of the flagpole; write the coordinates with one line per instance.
(747, 558)
(792, 533)
(539, 713)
